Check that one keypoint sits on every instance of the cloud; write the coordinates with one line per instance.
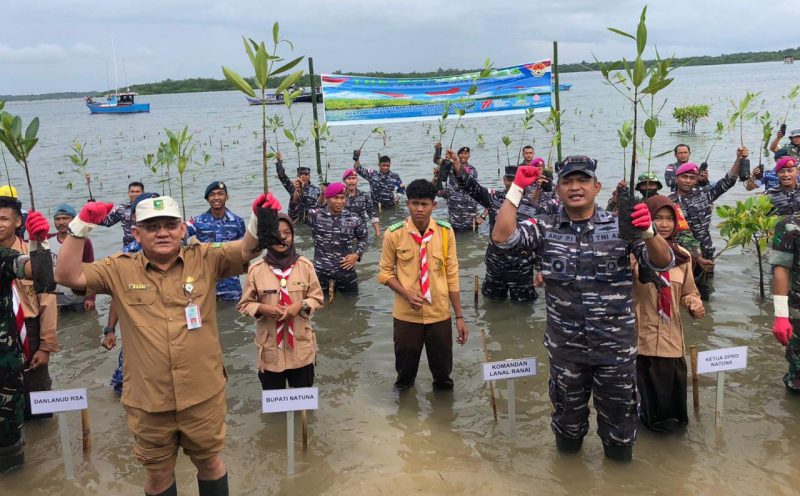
(44, 52)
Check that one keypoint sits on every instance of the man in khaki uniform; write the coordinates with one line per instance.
(174, 380)
(419, 263)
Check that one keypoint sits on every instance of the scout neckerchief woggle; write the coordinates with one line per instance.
(424, 282)
(284, 328)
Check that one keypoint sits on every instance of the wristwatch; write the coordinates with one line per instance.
(106, 330)
(305, 307)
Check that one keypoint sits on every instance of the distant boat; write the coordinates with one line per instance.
(273, 99)
(118, 103)
(564, 86)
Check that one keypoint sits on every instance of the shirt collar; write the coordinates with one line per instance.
(411, 228)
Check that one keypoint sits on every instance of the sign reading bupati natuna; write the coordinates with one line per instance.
(289, 400)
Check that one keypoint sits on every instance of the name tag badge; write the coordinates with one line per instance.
(193, 320)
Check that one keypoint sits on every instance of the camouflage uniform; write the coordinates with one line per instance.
(383, 186)
(696, 207)
(361, 205)
(790, 150)
(121, 213)
(669, 175)
(507, 271)
(336, 236)
(309, 198)
(786, 253)
(784, 202)
(12, 396)
(208, 229)
(461, 208)
(590, 332)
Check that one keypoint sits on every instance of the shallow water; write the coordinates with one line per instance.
(367, 438)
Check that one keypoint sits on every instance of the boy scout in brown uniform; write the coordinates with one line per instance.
(424, 291)
(174, 392)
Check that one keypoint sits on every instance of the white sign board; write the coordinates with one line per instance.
(289, 400)
(59, 401)
(509, 369)
(721, 360)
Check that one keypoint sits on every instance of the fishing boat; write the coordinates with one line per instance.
(564, 86)
(273, 99)
(117, 103)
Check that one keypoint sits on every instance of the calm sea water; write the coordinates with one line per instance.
(365, 438)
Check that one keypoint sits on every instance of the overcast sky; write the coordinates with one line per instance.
(65, 45)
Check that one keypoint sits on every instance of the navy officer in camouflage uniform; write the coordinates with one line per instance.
(785, 196)
(590, 332)
(508, 272)
(462, 209)
(785, 260)
(215, 225)
(383, 182)
(122, 213)
(696, 204)
(359, 202)
(340, 239)
(307, 195)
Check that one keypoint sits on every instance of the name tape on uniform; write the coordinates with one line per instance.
(59, 401)
(509, 369)
(289, 400)
(722, 359)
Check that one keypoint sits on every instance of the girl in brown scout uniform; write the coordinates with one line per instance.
(281, 291)
(660, 365)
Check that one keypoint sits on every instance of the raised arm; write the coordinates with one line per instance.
(69, 269)
(506, 221)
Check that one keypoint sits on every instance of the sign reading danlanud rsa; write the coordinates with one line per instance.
(59, 401)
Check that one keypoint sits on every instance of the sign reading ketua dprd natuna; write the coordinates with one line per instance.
(509, 369)
(721, 360)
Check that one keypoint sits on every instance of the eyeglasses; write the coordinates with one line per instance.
(589, 163)
(155, 227)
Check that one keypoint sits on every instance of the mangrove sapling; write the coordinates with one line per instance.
(377, 131)
(19, 145)
(687, 116)
(630, 83)
(749, 222)
(527, 124)
(182, 150)
(742, 113)
(791, 105)
(625, 134)
(507, 143)
(292, 134)
(80, 163)
(263, 63)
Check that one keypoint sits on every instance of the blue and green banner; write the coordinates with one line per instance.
(359, 100)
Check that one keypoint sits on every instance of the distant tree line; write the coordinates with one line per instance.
(195, 85)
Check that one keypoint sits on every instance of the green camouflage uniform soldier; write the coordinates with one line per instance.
(785, 260)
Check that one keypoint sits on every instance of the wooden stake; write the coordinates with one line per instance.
(304, 422)
(695, 391)
(331, 288)
(86, 432)
(475, 288)
(491, 383)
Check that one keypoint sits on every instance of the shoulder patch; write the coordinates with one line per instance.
(444, 224)
(396, 226)
(216, 244)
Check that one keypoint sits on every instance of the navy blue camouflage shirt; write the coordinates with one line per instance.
(208, 229)
(588, 285)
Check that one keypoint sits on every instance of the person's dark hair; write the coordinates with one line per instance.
(527, 147)
(12, 203)
(421, 189)
(136, 183)
(385, 160)
(675, 150)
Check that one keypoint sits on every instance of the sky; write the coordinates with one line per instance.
(66, 45)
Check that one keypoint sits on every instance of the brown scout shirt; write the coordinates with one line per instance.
(167, 366)
(42, 306)
(262, 287)
(656, 337)
(400, 259)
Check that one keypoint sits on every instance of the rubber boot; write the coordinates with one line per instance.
(170, 491)
(217, 487)
(12, 457)
(618, 452)
(568, 444)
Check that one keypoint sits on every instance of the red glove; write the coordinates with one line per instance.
(526, 175)
(95, 212)
(37, 226)
(266, 200)
(640, 217)
(782, 330)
